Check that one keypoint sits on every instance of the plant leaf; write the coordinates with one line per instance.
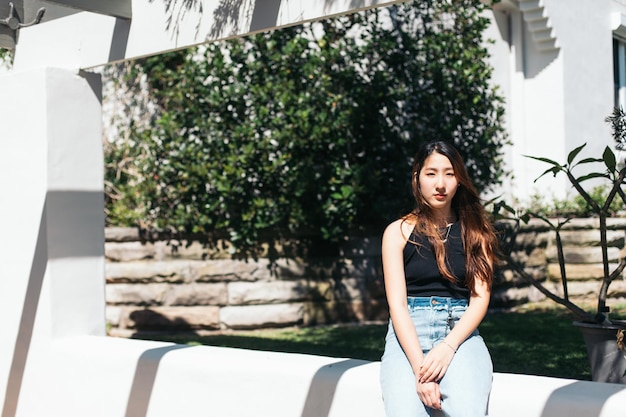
(588, 160)
(554, 170)
(546, 160)
(609, 159)
(591, 175)
(572, 155)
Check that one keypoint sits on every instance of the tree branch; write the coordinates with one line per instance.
(577, 311)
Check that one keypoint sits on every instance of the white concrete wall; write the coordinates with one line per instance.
(585, 35)
(108, 377)
(86, 40)
(557, 99)
(51, 167)
(541, 117)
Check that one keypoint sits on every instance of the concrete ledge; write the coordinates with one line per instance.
(534, 396)
(110, 377)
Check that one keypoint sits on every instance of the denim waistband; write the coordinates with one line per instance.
(435, 300)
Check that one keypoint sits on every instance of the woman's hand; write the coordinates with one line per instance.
(436, 363)
(429, 394)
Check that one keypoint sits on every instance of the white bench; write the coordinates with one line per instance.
(109, 377)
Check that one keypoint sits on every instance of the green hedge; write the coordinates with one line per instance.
(308, 130)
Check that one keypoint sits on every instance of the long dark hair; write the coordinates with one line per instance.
(479, 239)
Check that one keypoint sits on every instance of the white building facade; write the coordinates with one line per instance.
(561, 68)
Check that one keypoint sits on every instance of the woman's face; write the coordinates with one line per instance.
(438, 183)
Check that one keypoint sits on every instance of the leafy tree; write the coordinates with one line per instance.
(308, 130)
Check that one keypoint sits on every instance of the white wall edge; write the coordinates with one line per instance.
(105, 376)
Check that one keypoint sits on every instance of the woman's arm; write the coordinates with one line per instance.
(394, 241)
(438, 359)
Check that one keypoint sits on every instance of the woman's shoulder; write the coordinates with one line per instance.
(399, 230)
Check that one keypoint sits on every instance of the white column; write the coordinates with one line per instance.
(51, 217)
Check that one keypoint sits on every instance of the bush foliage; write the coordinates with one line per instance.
(309, 129)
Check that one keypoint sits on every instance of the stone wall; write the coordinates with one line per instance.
(183, 285)
(160, 285)
(535, 247)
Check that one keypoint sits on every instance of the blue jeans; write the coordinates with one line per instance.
(466, 385)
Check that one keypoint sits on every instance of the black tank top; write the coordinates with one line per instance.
(423, 278)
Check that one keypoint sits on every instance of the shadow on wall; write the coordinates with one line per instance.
(27, 321)
(144, 379)
(61, 211)
(590, 397)
(149, 320)
(355, 291)
(227, 16)
(176, 10)
(538, 53)
(324, 385)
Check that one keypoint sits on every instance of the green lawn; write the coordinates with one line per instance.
(532, 342)
(536, 343)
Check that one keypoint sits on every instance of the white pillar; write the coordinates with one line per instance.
(51, 217)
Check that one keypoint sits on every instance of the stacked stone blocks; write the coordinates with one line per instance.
(177, 285)
(165, 284)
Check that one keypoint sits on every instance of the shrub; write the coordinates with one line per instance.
(306, 130)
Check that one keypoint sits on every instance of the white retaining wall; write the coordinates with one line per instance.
(110, 377)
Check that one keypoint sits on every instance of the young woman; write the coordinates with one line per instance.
(438, 265)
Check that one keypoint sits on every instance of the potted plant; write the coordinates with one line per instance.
(601, 334)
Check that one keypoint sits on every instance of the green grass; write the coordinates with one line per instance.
(536, 343)
(540, 342)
